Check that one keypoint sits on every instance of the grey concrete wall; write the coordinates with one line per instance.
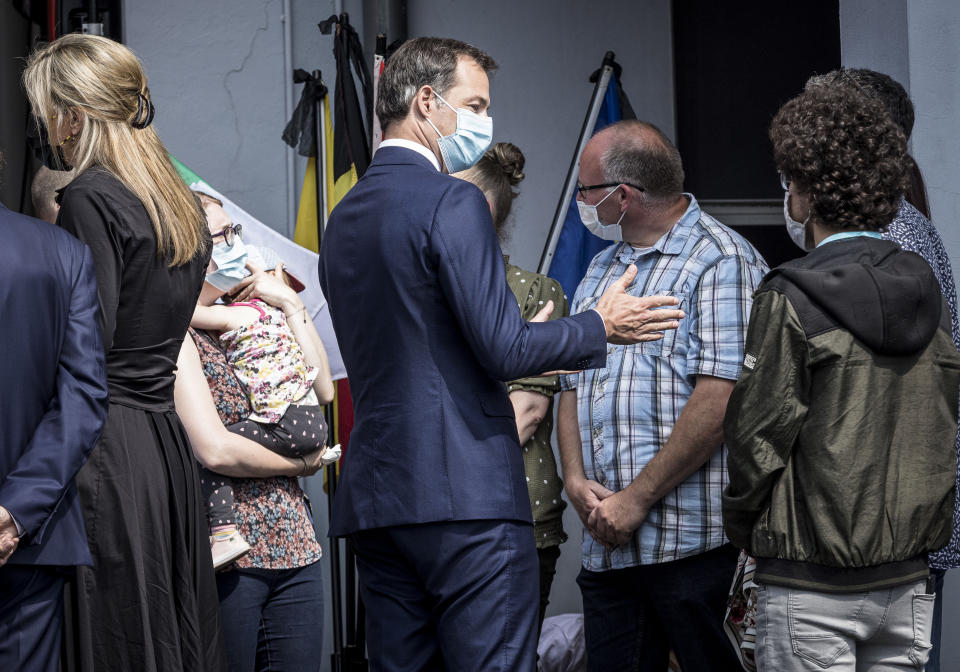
(873, 34)
(546, 50)
(216, 74)
(215, 71)
(934, 49)
(934, 52)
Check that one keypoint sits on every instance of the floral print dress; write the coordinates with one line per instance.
(267, 359)
(272, 513)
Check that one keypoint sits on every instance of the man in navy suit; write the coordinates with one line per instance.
(53, 399)
(433, 492)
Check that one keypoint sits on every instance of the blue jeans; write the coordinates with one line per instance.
(632, 617)
(883, 629)
(272, 618)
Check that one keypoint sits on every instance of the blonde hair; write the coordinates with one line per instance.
(105, 83)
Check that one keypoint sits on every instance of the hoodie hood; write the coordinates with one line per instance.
(887, 298)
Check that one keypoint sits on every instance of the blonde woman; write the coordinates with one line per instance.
(149, 602)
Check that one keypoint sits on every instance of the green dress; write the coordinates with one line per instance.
(544, 486)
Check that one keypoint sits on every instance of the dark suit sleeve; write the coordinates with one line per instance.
(88, 216)
(764, 414)
(72, 423)
(471, 273)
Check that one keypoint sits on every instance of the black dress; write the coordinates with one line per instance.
(150, 602)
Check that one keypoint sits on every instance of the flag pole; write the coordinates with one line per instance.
(320, 174)
(320, 183)
(593, 111)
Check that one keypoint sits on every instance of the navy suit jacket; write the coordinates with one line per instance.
(53, 385)
(429, 329)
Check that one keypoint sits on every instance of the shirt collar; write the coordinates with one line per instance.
(850, 234)
(673, 241)
(415, 146)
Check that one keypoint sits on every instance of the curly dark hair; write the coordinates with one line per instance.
(872, 84)
(844, 151)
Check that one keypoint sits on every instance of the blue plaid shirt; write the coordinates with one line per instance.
(627, 410)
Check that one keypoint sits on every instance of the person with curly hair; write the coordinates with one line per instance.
(912, 230)
(849, 351)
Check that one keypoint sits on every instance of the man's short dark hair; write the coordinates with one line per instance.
(875, 85)
(639, 153)
(424, 61)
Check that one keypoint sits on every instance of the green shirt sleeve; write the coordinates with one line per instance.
(533, 291)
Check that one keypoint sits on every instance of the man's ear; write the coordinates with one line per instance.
(425, 101)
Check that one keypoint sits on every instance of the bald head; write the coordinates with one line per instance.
(637, 152)
(43, 192)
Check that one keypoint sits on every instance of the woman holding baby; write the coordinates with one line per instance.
(272, 595)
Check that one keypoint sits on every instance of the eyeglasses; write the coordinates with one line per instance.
(784, 182)
(230, 234)
(605, 185)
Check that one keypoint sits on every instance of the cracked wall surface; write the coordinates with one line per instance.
(216, 73)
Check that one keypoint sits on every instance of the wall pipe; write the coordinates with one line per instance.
(291, 158)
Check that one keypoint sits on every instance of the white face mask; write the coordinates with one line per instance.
(591, 220)
(796, 230)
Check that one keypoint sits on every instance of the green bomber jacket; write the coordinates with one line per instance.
(841, 427)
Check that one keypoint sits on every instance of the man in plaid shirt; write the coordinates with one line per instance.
(640, 439)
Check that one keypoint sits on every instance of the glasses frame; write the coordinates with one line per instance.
(581, 189)
(230, 234)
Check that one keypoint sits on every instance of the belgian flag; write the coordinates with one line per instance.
(351, 147)
(346, 158)
(351, 158)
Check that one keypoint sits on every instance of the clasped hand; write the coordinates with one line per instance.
(631, 319)
(609, 517)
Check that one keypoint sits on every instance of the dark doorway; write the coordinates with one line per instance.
(735, 65)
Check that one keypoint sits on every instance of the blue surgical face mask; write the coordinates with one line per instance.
(466, 145)
(231, 264)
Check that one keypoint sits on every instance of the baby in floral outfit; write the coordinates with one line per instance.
(286, 418)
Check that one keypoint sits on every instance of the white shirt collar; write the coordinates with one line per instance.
(415, 146)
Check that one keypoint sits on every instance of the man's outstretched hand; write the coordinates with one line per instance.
(631, 319)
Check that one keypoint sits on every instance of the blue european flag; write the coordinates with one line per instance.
(576, 246)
